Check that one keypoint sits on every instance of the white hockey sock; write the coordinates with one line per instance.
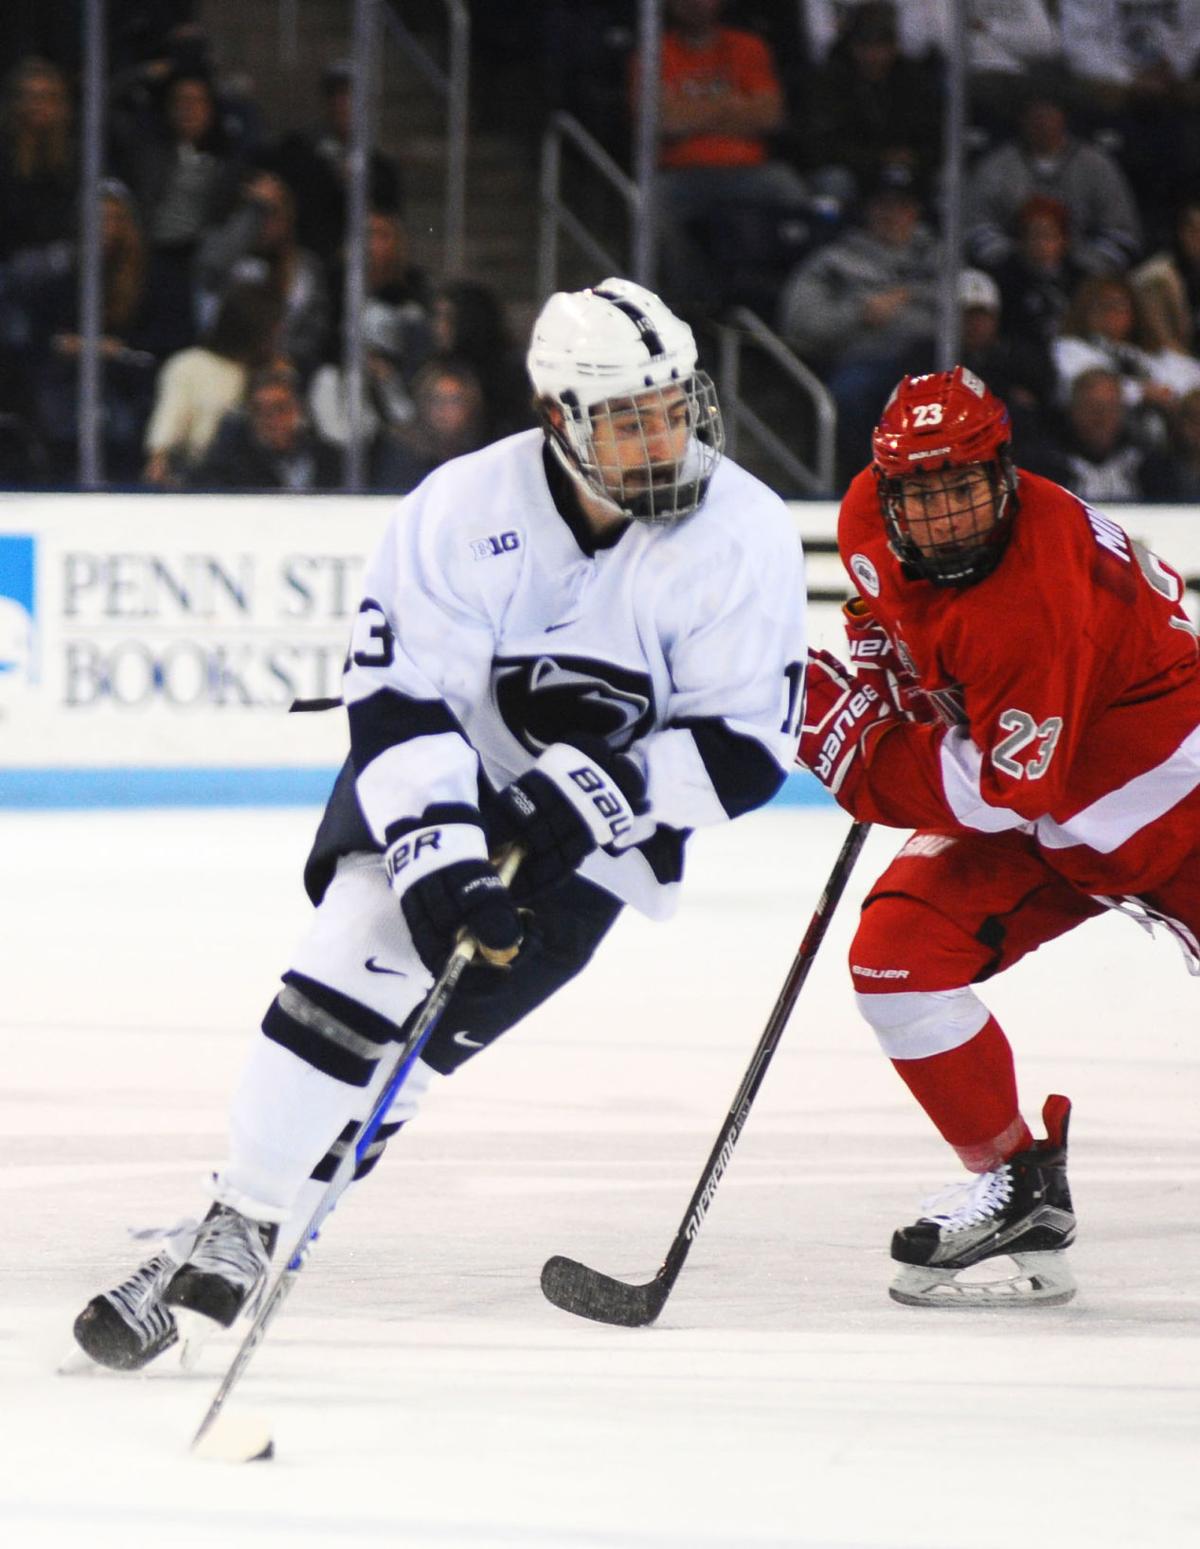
(285, 1117)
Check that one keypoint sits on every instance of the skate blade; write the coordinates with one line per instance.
(195, 1331)
(1040, 1279)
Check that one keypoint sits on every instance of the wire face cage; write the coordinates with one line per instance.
(951, 524)
(653, 453)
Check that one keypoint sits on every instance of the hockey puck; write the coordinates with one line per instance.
(236, 1438)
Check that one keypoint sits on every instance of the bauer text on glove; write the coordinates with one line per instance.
(840, 714)
(447, 885)
(578, 797)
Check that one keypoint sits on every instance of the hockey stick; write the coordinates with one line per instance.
(591, 1294)
(249, 1439)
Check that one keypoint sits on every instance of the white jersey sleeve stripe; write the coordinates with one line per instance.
(396, 784)
(962, 764)
(1113, 820)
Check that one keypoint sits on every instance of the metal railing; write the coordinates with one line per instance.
(733, 332)
(554, 215)
(453, 84)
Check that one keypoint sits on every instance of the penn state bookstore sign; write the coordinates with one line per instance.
(151, 646)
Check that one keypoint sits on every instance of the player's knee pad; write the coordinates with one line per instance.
(904, 943)
(914, 1024)
(330, 1031)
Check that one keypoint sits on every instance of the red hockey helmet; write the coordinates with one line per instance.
(947, 484)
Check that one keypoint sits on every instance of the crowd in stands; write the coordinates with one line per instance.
(800, 154)
(223, 276)
(800, 174)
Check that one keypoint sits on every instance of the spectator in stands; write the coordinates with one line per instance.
(870, 107)
(386, 402)
(1039, 277)
(1167, 286)
(469, 325)
(1105, 232)
(1116, 48)
(399, 287)
(397, 338)
(270, 445)
(1008, 45)
(151, 51)
(1133, 63)
(197, 387)
(258, 242)
(181, 167)
(863, 309)
(1017, 370)
(317, 161)
(38, 169)
(448, 420)
(41, 327)
(720, 102)
(184, 177)
(1099, 330)
(1098, 455)
(1185, 449)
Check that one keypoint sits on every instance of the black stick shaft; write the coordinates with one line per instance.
(735, 1120)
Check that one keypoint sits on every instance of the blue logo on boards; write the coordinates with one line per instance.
(18, 608)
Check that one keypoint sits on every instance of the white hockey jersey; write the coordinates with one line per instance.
(493, 625)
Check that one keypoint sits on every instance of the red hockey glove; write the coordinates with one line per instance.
(875, 660)
(840, 711)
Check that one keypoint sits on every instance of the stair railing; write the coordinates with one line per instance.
(453, 84)
(554, 215)
(738, 327)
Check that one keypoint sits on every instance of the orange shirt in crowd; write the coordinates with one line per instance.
(735, 64)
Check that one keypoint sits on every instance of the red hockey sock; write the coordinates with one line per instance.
(970, 1093)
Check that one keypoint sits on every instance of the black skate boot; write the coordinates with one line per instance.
(128, 1327)
(225, 1269)
(1021, 1211)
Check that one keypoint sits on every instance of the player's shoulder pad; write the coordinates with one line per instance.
(744, 512)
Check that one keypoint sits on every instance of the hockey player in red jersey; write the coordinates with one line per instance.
(1025, 694)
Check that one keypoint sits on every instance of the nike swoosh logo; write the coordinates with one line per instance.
(467, 1042)
(374, 967)
(566, 624)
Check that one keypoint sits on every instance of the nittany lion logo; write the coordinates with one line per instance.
(547, 699)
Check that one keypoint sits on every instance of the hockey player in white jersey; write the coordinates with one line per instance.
(586, 639)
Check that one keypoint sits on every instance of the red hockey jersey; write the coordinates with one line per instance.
(1075, 672)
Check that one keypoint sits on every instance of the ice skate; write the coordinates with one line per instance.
(224, 1272)
(1020, 1212)
(130, 1326)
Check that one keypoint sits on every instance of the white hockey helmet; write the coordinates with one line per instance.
(617, 345)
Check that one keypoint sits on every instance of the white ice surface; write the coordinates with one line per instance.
(422, 1391)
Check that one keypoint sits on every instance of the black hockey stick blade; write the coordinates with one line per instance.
(589, 1293)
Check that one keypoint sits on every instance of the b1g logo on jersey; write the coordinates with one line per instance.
(548, 699)
(498, 543)
(18, 611)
